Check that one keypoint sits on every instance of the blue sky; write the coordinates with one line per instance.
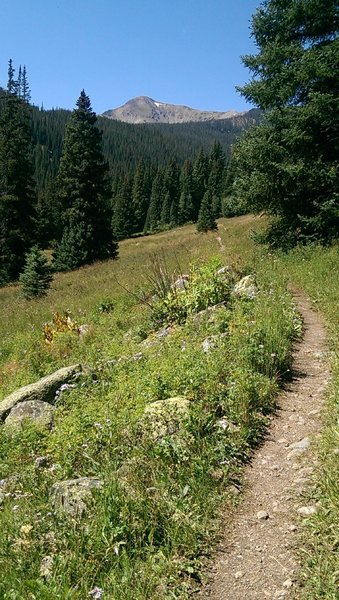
(177, 51)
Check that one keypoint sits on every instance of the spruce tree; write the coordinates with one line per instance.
(206, 220)
(84, 193)
(200, 179)
(122, 219)
(217, 164)
(36, 277)
(140, 197)
(288, 166)
(153, 218)
(17, 188)
(165, 216)
(186, 208)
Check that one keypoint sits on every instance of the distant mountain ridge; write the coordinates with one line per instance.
(146, 110)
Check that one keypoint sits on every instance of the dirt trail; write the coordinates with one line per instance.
(257, 556)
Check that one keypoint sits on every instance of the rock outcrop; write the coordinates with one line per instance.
(34, 410)
(43, 390)
(72, 495)
(165, 417)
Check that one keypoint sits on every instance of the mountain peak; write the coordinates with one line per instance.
(144, 109)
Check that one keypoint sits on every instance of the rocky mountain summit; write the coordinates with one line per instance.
(146, 110)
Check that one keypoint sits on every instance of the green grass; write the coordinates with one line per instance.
(146, 534)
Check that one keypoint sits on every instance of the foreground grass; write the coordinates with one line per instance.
(147, 532)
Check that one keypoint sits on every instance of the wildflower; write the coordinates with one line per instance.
(96, 593)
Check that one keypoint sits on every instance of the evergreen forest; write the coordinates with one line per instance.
(147, 178)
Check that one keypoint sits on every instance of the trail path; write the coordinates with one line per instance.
(257, 557)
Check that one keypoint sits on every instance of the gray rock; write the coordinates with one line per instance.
(165, 417)
(71, 496)
(208, 313)
(307, 511)
(180, 283)
(43, 390)
(302, 445)
(41, 413)
(246, 287)
(298, 448)
(209, 344)
(225, 270)
(46, 567)
(162, 333)
(263, 515)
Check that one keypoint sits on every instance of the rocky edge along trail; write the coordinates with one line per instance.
(257, 556)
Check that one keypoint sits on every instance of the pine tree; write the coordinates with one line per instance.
(84, 192)
(17, 188)
(206, 220)
(153, 218)
(172, 185)
(122, 219)
(140, 197)
(186, 208)
(165, 216)
(200, 179)
(217, 164)
(288, 166)
(36, 277)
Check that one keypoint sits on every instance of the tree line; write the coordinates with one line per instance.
(81, 209)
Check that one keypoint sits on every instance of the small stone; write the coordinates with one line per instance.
(288, 583)
(280, 595)
(83, 329)
(301, 445)
(263, 515)
(307, 511)
(238, 575)
(336, 451)
(292, 528)
(46, 567)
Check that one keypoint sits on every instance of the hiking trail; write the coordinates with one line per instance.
(257, 556)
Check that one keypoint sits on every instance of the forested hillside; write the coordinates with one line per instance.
(124, 145)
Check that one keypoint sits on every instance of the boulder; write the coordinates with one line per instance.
(41, 413)
(246, 287)
(71, 496)
(43, 390)
(165, 417)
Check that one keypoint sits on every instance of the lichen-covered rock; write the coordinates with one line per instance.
(165, 417)
(246, 287)
(43, 390)
(72, 495)
(41, 413)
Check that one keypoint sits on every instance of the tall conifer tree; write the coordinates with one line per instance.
(17, 188)
(84, 192)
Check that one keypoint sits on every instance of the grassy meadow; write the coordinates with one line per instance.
(148, 530)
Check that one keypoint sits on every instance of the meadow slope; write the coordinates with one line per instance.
(147, 530)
